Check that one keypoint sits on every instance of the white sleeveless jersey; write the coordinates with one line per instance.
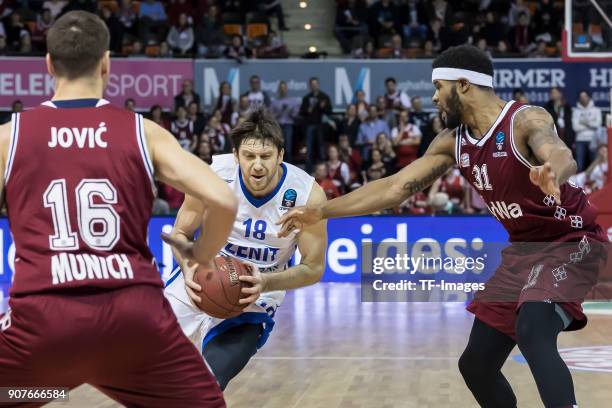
(254, 236)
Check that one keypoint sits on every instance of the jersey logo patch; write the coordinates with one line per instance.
(500, 154)
(289, 198)
(465, 160)
(499, 140)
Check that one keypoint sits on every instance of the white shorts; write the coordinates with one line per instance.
(201, 328)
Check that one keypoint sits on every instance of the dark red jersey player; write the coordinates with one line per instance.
(513, 157)
(86, 304)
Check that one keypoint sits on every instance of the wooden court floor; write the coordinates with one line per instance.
(330, 350)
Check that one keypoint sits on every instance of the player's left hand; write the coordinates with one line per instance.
(256, 281)
(545, 178)
(183, 246)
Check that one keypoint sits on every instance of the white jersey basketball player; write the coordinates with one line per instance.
(266, 188)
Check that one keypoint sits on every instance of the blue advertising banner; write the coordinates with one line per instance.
(340, 79)
(347, 238)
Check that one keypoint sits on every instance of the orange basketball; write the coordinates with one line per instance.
(221, 288)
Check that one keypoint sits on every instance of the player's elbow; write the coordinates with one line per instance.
(315, 273)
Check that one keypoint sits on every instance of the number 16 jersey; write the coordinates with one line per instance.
(79, 193)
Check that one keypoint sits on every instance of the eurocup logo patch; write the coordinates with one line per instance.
(289, 198)
(499, 140)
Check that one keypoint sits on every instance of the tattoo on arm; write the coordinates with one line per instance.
(414, 186)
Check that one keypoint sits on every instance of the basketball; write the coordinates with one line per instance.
(221, 288)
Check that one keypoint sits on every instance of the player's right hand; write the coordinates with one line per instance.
(297, 218)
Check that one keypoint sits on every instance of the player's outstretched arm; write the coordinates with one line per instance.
(384, 193)
(185, 172)
(537, 128)
(312, 243)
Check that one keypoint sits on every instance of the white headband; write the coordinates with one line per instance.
(453, 74)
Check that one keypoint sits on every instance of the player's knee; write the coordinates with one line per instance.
(470, 364)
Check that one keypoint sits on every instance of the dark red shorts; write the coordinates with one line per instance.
(563, 272)
(126, 343)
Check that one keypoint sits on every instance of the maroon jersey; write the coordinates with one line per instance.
(499, 172)
(79, 193)
(184, 133)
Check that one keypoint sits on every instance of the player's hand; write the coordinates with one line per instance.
(297, 218)
(545, 178)
(256, 281)
(183, 246)
(189, 269)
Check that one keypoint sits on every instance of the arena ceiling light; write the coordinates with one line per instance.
(303, 4)
(312, 48)
(307, 26)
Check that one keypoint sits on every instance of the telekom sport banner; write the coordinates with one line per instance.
(340, 79)
(147, 81)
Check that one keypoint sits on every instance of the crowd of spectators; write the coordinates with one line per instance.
(155, 28)
(421, 29)
(366, 142)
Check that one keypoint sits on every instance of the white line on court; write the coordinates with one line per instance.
(352, 358)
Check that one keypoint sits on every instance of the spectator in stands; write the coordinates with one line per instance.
(338, 170)
(454, 186)
(272, 47)
(55, 7)
(257, 97)
(586, 120)
(414, 19)
(237, 50)
(152, 21)
(114, 28)
(178, 7)
(275, 8)
(164, 50)
(205, 152)
(384, 18)
(394, 98)
(130, 104)
(439, 35)
(156, 115)
(441, 10)
(217, 133)
(44, 19)
(517, 8)
(137, 50)
(349, 125)
(385, 112)
(17, 106)
(501, 51)
(25, 45)
(482, 45)
(286, 109)
(418, 116)
(352, 158)
(406, 138)
(561, 111)
(376, 168)
(187, 95)
(129, 21)
(384, 145)
(520, 35)
(225, 103)
(362, 105)
(194, 115)
(430, 131)
(314, 106)
(369, 129)
(243, 109)
(15, 30)
(365, 50)
(321, 176)
(493, 30)
(209, 34)
(350, 22)
(428, 50)
(396, 51)
(183, 130)
(180, 37)
(596, 175)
